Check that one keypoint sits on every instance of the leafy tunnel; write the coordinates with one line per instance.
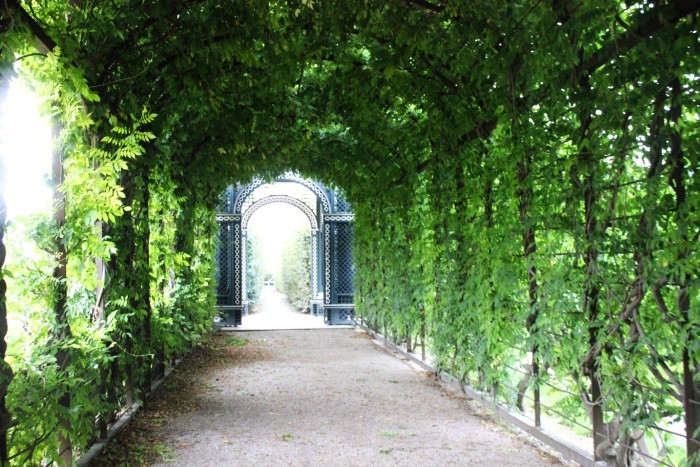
(523, 176)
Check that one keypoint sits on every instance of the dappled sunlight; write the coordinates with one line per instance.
(25, 152)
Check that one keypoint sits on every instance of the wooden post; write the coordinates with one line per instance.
(99, 317)
(60, 310)
(5, 377)
(5, 371)
(145, 298)
(422, 334)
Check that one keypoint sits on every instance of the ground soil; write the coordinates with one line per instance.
(311, 397)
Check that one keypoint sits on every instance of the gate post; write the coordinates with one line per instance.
(331, 290)
(338, 231)
(244, 268)
(228, 263)
(316, 296)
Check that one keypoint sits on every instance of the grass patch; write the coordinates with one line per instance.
(166, 454)
(236, 341)
(287, 437)
(396, 434)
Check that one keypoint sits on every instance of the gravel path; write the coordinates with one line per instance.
(330, 397)
(273, 311)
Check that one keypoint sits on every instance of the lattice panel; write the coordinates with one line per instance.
(244, 266)
(340, 205)
(290, 189)
(322, 196)
(342, 259)
(339, 315)
(314, 262)
(327, 261)
(250, 210)
(237, 250)
(289, 177)
(225, 203)
(228, 316)
(223, 260)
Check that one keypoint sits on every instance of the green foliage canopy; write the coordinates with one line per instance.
(524, 178)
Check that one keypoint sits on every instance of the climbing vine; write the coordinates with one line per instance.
(523, 176)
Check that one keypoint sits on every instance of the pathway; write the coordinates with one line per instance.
(330, 397)
(276, 313)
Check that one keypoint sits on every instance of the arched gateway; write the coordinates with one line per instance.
(331, 224)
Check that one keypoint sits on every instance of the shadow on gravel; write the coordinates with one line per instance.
(139, 442)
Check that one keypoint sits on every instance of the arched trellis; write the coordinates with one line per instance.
(313, 221)
(331, 222)
(279, 199)
(318, 189)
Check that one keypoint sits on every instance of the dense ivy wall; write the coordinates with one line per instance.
(523, 176)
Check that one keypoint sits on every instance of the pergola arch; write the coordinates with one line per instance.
(313, 221)
(332, 233)
(279, 199)
(315, 187)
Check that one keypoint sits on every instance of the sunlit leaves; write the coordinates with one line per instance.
(423, 115)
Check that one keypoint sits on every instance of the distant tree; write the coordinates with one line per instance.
(295, 274)
(254, 268)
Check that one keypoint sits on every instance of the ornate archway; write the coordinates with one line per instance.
(331, 222)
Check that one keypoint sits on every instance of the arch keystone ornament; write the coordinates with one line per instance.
(331, 231)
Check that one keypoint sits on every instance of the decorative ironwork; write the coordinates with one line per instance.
(228, 316)
(340, 205)
(314, 262)
(240, 199)
(223, 271)
(339, 315)
(311, 186)
(344, 271)
(225, 201)
(290, 176)
(283, 188)
(338, 217)
(331, 269)
(222, 217)
(244, 268)
(237, 263)
(279, 199)
(327, 254)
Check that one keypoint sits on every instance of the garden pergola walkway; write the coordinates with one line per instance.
(319, 397)
(274, 312)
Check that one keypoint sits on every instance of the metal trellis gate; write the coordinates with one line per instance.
(332, 269)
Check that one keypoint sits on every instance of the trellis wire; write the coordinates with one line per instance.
(548, 408)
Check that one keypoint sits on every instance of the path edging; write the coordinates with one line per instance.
(97, 448)
(565, 448)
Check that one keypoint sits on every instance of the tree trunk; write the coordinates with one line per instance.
(691, 366)
(586, 165)
(529, 250)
